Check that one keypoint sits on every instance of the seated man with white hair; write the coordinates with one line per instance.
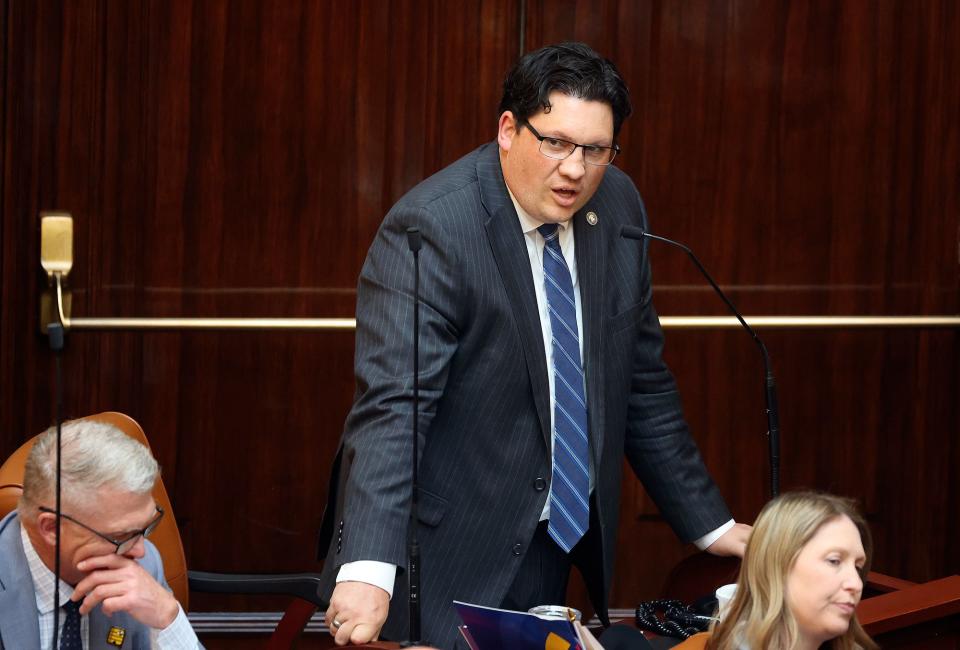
(112, 590)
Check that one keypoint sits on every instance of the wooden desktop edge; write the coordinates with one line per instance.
(906, 604)
(885, 584)
(917, 603)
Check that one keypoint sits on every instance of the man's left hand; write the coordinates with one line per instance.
(732, 542)
(119, 584)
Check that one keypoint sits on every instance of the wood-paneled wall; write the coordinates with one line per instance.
(235, 159)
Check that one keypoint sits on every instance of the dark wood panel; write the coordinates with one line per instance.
(792, 145)
(226, 159)
(3, 147)
(235, 159)
(852, 424)
(26, 172)
(807, 152)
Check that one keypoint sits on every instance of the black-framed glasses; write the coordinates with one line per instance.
(123, 545)
(559, 149)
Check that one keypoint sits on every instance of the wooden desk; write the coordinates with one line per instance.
(923, 615)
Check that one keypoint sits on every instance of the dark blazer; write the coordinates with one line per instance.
(485, 420)
(19, 627)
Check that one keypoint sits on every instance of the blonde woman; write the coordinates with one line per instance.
(799, 585)
(800, 581)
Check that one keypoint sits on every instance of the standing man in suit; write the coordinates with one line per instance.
(540, 369)
(112, 590)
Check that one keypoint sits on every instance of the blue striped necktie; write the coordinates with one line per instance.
(70, 635)
(570, 488)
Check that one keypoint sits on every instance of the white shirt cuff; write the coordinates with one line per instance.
(711, 537)
(378, 574)
(178, 635)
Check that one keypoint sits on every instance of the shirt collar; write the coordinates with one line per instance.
(42, 577)
(528, 223)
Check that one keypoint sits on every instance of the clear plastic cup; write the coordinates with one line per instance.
(559, 612)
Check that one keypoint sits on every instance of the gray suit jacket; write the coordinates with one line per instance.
(485, 420)
(19, 627)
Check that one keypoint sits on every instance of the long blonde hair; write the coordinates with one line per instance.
(758, 616)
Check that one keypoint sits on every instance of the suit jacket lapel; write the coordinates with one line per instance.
(99, 624)
(19, 627)
(510, 252)
(590, 246)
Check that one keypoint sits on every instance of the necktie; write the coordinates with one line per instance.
(70, 635)
(570, 489)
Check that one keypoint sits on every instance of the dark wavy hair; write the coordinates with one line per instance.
(571, 68)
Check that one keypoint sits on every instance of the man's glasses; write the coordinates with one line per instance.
(559, 149)
(123, 545)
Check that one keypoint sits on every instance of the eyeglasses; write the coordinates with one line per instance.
(559, 149)
(123, 545)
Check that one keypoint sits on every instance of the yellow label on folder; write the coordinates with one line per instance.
(555, 642)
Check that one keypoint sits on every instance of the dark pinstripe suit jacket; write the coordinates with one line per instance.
(485, 420)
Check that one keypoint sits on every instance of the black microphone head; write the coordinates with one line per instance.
(632, 232)
(413, 239)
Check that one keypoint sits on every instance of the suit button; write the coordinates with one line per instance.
(517, 549)
(539, 484)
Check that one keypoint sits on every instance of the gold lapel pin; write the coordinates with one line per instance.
(592, 218)
(116, 635)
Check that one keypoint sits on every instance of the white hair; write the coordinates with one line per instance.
(94, 455)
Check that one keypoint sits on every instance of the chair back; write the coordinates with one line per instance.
(167, 535)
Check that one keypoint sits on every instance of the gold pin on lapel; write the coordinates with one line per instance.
(592, 218)
(116, 635)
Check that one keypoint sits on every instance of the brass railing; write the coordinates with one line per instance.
(667, 322)
(57, 259)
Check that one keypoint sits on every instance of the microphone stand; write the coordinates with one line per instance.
(415, 242)
(55, 336)
(56, 258)
(770, 392)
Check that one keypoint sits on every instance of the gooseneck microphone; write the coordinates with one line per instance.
(415, 242)
(773, 417)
